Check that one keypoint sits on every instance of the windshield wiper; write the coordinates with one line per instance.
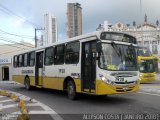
(132, 51)
(117, 50)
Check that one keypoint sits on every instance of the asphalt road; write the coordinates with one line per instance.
(131, 103)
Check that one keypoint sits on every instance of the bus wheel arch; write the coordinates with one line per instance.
(27, 82)
(66, 80)
(70, 87)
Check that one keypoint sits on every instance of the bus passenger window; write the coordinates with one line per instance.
(20, 61)
(49, 56)
(72, 53)
(31, 59)
(25, 60)
(59, 55)
(15, 61)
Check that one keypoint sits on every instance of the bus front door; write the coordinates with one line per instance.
(39, 69)
(88, 67)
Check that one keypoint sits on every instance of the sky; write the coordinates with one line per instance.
(26, 15)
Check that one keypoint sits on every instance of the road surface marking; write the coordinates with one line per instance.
(9, 106)
(2, 96)
(41, 112)
(47, 109)
(32, 104)
(149, 93)
(0, 107)
(17, 113)
(3, 101)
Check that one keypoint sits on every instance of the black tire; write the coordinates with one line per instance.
(27, 83)
(71, 90)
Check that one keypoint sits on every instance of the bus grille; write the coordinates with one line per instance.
(124, 89)
(124, 82)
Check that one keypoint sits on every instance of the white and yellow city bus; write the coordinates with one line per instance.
(98, 63)
(147, 66)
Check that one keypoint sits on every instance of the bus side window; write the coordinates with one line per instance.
(31, 59)
(49, 56)
(15, 61)
(59, 55)
(25, 60)
(20, 61)
(72, 53)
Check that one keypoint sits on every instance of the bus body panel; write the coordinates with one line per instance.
(54, 76)
(18, 78)
(51, 82)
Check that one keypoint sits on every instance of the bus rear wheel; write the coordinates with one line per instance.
(27, 83)
(71, 90)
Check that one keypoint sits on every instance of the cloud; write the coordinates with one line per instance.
(94, 11)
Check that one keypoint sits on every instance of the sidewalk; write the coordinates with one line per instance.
(158, 77)
(152, 87)
(10, 110)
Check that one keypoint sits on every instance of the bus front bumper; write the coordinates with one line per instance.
(147, 78)
(103, 88)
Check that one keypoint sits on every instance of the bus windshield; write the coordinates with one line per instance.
(118, 57)
(147, 66)
(118, 37)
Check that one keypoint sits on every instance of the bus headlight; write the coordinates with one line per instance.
(104, 79)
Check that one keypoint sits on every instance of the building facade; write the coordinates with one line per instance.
(6, 54)
(5, 68)
(50, 30)
(147, 34)
(74, 19)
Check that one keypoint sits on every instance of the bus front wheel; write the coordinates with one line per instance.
(27, 83)
(71, 90)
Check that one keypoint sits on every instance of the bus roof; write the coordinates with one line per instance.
(80, 37)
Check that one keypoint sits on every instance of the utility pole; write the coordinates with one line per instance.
(35, 38)
(36, 35)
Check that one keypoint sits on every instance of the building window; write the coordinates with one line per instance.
(146, 43)
(59, 55)
(154, 47)
(49, 56)
(72, 53)
(139, 42)
(31, 58)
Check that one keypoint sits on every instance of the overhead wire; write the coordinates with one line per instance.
(15, 46)
(24, 36)
(13, 13)
(10, 41)
(9, 51)
(12, 45)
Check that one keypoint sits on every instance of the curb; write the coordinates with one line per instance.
(25, 107)
(21, 104)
